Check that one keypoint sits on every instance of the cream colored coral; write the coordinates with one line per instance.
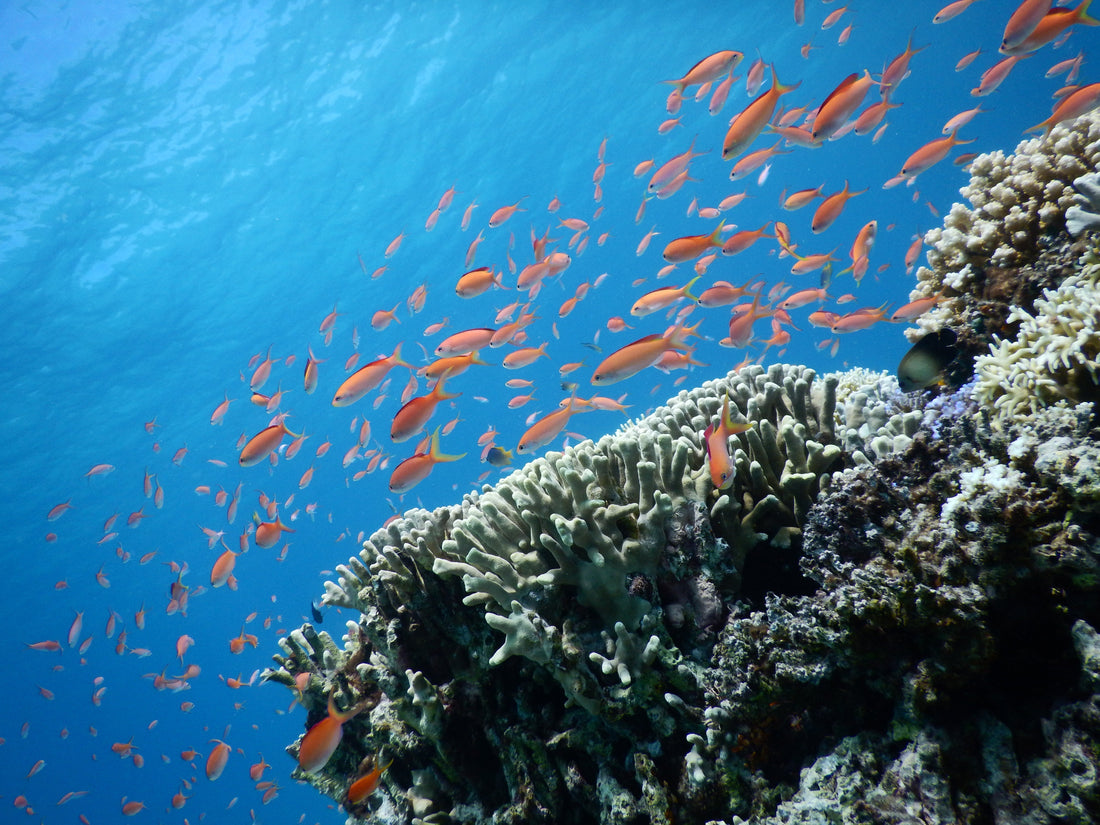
(1055, 352)
(1013, 200)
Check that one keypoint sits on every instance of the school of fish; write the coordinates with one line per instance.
(403, 407)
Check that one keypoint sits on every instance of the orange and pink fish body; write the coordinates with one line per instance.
(223, 568)
(740, 241)
(830, 208)
(1076, 103)
(411, 418)
(636, 356)
(672, 170)
(840, 105)
(750, 121)
(365, 379)
(952, 10)
(477, 281)
(504, 213)
(994, 76)
(709, 69)
(416, 468)
(659, 299)
(915, 309)
(466, 341)
(220, 411)
(692, 246)
(217, 760)
(264, 443)
(930, 154)
(267, 532)
(898, 69)
(261, 373)
(860, 319)
(722, 471)
(547, 428)
(524, 356)
(1052, 24)
(452, 365)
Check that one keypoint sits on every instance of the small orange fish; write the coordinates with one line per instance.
(416, 468)
(547, 428)
(692, 246)
(366, 784)
(263, 443)
(411, 418)
(636, 356)
(717, 439)
(504, 213)
(750, 121)
(709, 69)
(830, 208)
(365, 379)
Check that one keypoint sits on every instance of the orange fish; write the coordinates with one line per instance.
(930, 154)
(740, 241)
(658, 299)
(692, 246)
(709, 69)
(672, 169)
(718, 453)
(466, 341)
(267, 532)
(394, 245)
(898, 69)
(636, 356)
(952, 10)
(840, 105)
(1076, 103)
(504, 213)
(366, 784)
(477, 281)
(222, 571)
(310, 378)
(216, 761)
(750, 121)
(263, 443)
(415, 469)
(547, 428)
(860, 319)
(412, 417)
(365, 379)
(236, 644)
(1052, 24)
(830, 208)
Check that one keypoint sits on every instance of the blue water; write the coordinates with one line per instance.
(182, 189)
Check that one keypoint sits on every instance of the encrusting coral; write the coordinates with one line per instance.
(889, 615)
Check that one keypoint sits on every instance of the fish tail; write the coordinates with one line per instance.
(435, 452)
(687, 289)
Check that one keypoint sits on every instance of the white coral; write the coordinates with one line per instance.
(1013, 199)
(1056, 349)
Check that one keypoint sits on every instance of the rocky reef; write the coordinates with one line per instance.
(887, 616)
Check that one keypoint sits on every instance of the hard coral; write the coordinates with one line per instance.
(578, 601)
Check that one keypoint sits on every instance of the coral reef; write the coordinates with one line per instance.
(917, 645)
(1085, 212)
(563, 620)
(1010, 243)
(1054, 355)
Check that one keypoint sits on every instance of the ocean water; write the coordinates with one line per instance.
(186, 186)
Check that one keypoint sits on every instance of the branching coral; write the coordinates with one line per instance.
(1055, 355)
